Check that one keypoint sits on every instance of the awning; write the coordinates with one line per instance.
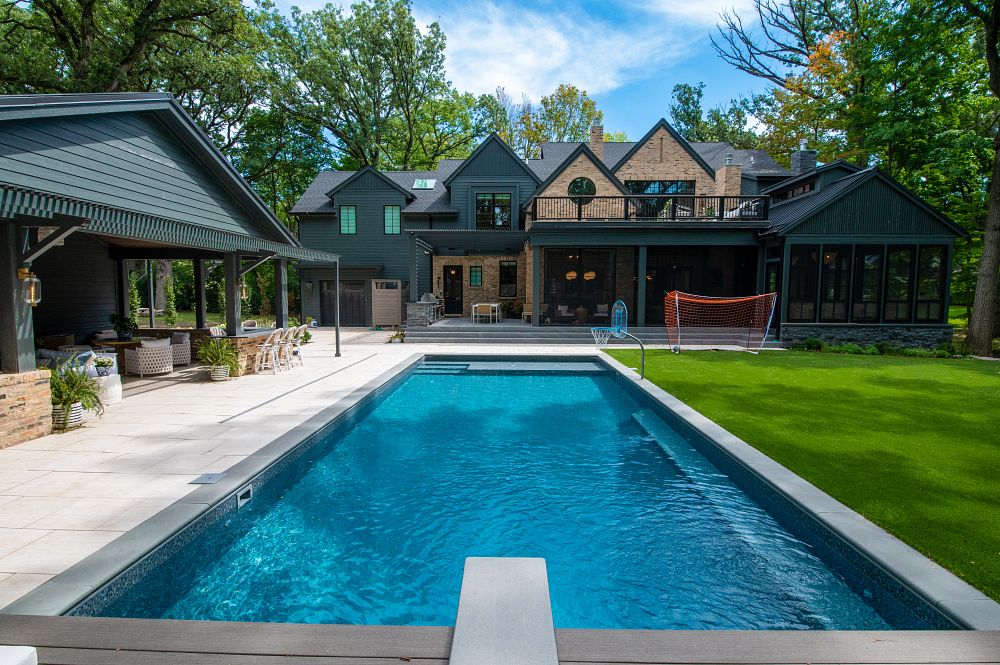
(444, 240)
(122, 223)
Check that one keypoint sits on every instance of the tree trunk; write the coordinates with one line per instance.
(163, 269)
(982, 324)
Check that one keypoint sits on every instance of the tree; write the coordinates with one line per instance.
(366, 78)
(982, 325)
(616, 137)
(728, 123)
(505, 117)
(565, 115)
(169, 302)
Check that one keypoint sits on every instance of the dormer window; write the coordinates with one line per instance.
(804, 188)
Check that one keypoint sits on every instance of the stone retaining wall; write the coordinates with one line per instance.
(926, 337)
(25, 407)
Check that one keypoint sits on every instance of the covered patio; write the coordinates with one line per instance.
(92, 183)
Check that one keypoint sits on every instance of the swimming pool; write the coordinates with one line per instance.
(641, 526)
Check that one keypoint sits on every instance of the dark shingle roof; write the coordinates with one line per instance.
(787, 213)
(427, 201)
(754, 162)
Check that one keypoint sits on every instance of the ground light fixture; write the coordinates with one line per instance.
(31, 286)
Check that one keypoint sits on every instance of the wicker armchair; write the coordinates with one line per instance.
(182, 353)
(150, 360)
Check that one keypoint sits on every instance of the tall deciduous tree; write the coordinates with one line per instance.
(982, 325)
(726, 122)
(507, 117)
(565, 115)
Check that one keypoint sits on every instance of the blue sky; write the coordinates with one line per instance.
(627, 54)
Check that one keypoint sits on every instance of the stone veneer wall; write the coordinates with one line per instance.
(489, 291)
(25, 407)
(906, 336)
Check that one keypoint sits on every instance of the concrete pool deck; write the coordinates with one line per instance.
(65, 496)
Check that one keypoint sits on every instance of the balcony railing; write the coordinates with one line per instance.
(663, 207)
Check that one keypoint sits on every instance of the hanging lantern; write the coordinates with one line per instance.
(589, 275)
(571, 275)
(244, 292)
(31, 287)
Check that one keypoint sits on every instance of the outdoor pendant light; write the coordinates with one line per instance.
(31, 286)
(589, 275)
(571, 275)
(244, 292)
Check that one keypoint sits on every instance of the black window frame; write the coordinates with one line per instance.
(840, 257)
(354, 220)
(942, 281)
(507, 288)
(399, 220)
(807, 284)
(487, 201)
(661, 187)
(476, 270)
(911, 284)
(861, 270)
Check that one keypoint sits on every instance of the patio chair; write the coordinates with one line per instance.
(603, 312)
(150, 358)
(250, 324)
(300, 334)
(482, 311)
(267, 352)
(217, 331)
(285, 344)
(526, 312)
(180, 344)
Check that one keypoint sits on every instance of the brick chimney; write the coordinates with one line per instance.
(803, 159)
(597, 140)
(728, 178)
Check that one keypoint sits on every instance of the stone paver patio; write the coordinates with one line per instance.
(64, 496)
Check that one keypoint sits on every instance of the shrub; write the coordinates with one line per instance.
(69, 384)
(169, 301)
(810, 344)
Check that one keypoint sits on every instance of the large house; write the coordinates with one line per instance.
(852, 254)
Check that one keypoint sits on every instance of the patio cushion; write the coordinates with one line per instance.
(155, 343)
(180, 338)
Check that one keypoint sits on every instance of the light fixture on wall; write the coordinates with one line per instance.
(244, 291)
(309, 288)
(589, 275)
(571, 275)
(31, 286)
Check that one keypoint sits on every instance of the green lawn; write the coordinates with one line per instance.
(912, 444)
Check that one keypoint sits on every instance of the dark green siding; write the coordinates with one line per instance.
(493, 169)
(366, 182)
(78, 288)
(128, 161)
(873, 209)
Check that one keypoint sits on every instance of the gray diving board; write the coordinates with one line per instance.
(504, 614)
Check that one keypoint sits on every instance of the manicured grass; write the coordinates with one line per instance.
(912, 444)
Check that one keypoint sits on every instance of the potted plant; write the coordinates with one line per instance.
(73, 392)
(397, 337)
(125, 326)
(221, 356)
(104, 366)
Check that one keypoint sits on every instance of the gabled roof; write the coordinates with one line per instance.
(830, 166)
(169, 112)
(753, 162)
(492, 138)
(788, 214)
(434, 201)
(369, 169)
(683, 142)
(581, 149)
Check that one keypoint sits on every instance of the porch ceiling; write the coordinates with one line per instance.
(445, 240)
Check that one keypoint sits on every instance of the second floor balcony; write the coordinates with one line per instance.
(651, 208)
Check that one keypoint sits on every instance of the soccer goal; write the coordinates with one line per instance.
(742, 322)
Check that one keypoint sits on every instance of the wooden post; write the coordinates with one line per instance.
(536, 284)
(231, 264)
(17, 330)
(124, 287)
(640, 290)
(280, 293)
(200, 307)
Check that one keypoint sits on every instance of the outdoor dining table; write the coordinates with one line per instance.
(494, 307)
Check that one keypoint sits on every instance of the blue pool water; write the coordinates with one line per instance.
(373, 525)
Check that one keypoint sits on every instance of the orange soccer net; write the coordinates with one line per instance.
(742, 322)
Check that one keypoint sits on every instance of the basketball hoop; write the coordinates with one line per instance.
(601, 336)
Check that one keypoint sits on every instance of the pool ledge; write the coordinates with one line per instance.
(71, 587)
(955, 598)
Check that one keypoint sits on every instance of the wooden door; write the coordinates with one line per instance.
(353, 308)
(453, 290)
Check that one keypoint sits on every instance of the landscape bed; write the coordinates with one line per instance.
(644, 520)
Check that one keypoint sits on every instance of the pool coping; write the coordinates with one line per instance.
(952, 596)
(956, 599)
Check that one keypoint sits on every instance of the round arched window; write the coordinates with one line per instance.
(582, 188)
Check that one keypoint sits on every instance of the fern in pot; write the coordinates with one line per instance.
(73, 392)
(221, 356)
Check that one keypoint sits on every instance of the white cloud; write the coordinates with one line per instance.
(531, 52)
(699, 12)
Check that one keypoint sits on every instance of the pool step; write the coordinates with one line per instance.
(443, 367)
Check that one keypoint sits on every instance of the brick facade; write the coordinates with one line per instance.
(490, 290)
(25, 407)
(729, 180)
(663, 158)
